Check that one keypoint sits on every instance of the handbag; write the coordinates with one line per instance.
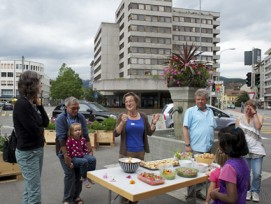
(9, 148)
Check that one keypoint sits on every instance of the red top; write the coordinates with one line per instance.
(77, 148)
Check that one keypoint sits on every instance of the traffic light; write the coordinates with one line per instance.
(257, 79)
(213, 88)
(248, 80)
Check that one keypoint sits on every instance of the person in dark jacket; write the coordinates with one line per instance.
(30, 119)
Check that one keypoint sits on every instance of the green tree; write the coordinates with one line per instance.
(67, 84)
(89, 96)
(243, 97)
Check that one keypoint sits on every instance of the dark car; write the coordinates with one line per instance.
(7, 106)
(222, 119)
(91, 110)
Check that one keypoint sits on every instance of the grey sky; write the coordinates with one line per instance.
(56, 31)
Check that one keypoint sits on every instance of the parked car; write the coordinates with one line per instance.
(222, 119)
(7, 106)
(231, 106)
(91, 110)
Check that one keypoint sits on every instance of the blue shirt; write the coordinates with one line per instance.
(135, 134)
(201, 127)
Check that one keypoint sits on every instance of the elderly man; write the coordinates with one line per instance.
(198, 131)
(72, 180)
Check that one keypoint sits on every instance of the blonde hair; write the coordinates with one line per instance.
(72, 127)
(220, 157)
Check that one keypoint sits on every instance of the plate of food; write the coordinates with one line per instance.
(206, 158)
(155, 165)
(187, 172)
(151, 178)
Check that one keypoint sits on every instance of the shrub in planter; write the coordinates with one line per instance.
(107, 124)
(2, 140)
(51, 126)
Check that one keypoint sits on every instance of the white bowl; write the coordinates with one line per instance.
(185, 163)
(202, 167)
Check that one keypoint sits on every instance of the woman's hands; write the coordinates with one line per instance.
(155, 118)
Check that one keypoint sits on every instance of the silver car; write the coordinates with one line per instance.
(222, 119)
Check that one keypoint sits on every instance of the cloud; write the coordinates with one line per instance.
(56, 31)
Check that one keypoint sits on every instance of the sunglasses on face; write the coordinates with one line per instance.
(75, 108)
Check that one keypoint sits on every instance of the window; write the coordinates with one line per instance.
(141, 17)
(176, 19)
(133, 61)
(148, 18)
(140, 39)
(141, 6)
(154, 8)
(168, 19)
(161, 40)
(3, 74)
(141, 50)
(161, 8)
(161, 51)
(147, 61)
(148, 39)
(154, 18)
(141, 28)
(140, 61)
(168, 41)
(148, 50)
(148, 7)
(161, 19)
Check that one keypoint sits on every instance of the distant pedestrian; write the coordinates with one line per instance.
(251, 123)
(242, 107)
(234, 175)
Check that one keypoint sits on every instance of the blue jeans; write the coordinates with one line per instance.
(255, 165)
(85, 163)
(31, 162)
(72, 181)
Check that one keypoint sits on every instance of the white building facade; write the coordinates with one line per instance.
(10, 71)
(267, 79)
(130, 54)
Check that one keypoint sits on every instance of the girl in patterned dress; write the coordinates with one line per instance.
(79, 153)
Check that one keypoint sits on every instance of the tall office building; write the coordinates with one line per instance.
(130, 54)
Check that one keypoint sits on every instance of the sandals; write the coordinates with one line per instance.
(79, 201)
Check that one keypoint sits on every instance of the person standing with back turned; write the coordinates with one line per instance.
(198, 132)
(30, 119)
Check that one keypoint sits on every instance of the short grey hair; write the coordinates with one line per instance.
(202, 93)
(70, 100)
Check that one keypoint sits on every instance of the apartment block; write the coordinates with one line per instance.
(10, 71)
(130, 54)
(267, 79)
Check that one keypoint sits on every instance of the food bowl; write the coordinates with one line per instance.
(167, 172)
(202, 167)
(185, 163)
(187, 172)
(204, 158)
(129, 165)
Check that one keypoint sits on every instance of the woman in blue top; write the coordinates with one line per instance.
(134, 127)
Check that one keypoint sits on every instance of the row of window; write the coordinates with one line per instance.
(149, 7)
(192, 20)
(203, 48)
(154, 29)
(192, 29)
(144, 72)
(148, 50)
(6, 83)
(153, 40)
(6, 74)
(148, 61)
(192, 38)
(140, 17)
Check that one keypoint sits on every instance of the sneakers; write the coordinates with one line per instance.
(248, 195)
(255, 197)
(86, 183)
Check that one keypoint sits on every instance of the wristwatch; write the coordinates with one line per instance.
(187, 145)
